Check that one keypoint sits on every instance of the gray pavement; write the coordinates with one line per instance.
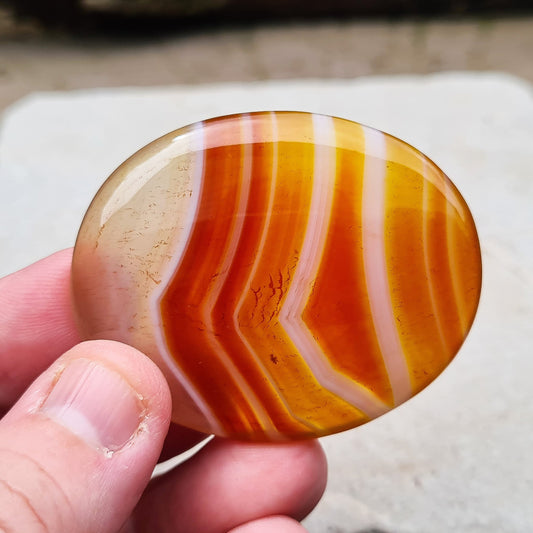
(32, 60)
(456, 457)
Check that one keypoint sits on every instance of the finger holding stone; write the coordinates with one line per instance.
(36, 322)
(229, 483)
(78, 449)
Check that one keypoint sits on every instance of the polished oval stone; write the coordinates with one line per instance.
(293, 275)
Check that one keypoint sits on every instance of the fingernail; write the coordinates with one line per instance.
(95, 403)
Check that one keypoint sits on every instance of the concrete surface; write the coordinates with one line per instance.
(457, 457)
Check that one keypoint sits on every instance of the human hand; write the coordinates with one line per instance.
(77, 449)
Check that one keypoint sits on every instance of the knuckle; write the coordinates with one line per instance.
(16, 511)
(31, 500)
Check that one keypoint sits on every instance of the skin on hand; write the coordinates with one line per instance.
(77, 449)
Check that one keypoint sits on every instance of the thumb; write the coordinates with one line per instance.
(77, 450)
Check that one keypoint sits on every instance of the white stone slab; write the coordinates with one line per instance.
(455, 458)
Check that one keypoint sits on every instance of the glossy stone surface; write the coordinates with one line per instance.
(293, 275)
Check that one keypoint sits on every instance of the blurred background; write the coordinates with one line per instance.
(72, 44)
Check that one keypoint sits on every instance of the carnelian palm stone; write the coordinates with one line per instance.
(293, 275)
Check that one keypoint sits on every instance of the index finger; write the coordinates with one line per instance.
(36, 322)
